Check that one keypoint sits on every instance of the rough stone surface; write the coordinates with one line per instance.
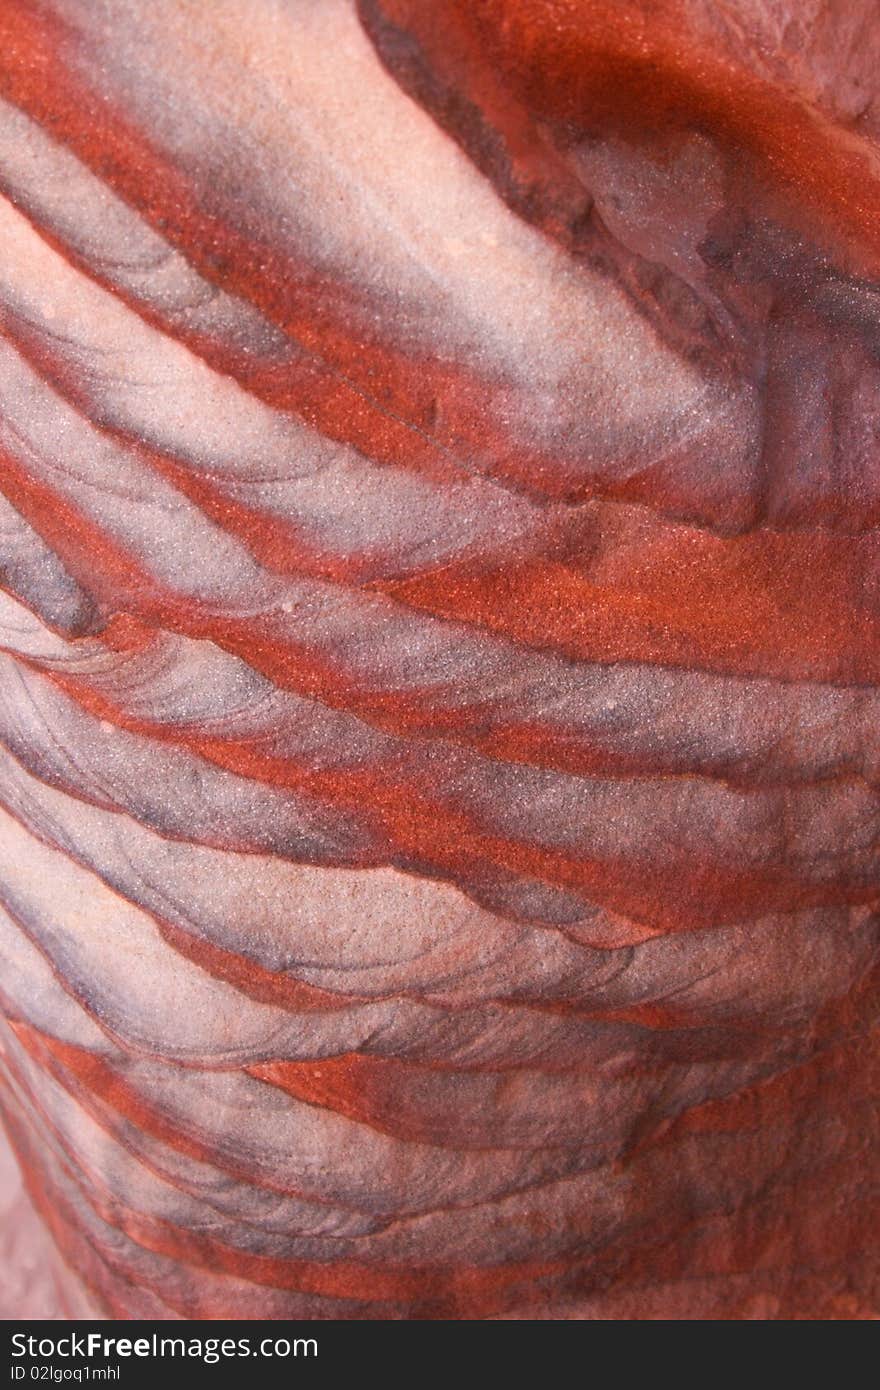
(439, 657)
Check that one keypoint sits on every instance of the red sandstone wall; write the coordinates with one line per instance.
(439, 645)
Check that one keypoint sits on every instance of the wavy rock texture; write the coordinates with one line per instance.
(440, 626)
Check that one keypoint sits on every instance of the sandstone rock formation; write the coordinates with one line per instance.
(440, 628)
